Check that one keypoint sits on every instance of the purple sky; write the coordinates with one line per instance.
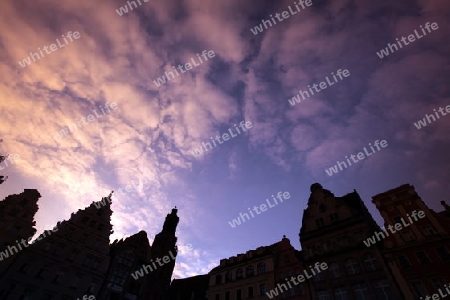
(251, 77)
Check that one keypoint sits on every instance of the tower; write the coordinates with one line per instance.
(157, 283)
(16, 222)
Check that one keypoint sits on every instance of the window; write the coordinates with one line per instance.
(73, 255)
(334, 217)
(404, 262)
(118, 277)
(262, 289)
(91, 262)
(125, 260)
(228, 276)
(408, 236)
(13, 212)
(58, 277)
(249, 271)
(419, 289)
(261, 268)
(24, 268)
(438, 283)
(319, 277)
(42, 273)
(334, 270)
(322, 295)
(286, 259)
(75, 281)
(227, 295)
(83, 238)
(360, 292)
(371, 263)
(218, 279)
(238, 294)
(343, 241)
(423, 258)
(69, 233)
(319, 222)
(382, 290)
(292, 292)
(301, 289)
(250, 292)
(352, 267)
(340, 293)
(239, 274)
(443, 253)
(428, 230)
(397, 220)
(58, 249)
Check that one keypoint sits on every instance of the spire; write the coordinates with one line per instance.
(171, 222)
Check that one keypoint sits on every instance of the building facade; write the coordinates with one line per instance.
(257, 274)
(333, 230)
(416, 248)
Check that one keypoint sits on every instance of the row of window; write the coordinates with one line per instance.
(334, 217)
(29, 293)
(359, 291)
(261, 268)
(421, 291)
(250, 293)
(423, 258)
(340, 241)
(352, 266)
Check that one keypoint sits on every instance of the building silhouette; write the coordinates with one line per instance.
(75, 258)
(364, 261)
(409, 264)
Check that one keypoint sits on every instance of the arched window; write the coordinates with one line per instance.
(352, 266)
(218, 279)
(371, 262)
(229, 276)
(334, 270)
(239, 274)
(261, 268)
(249, 271)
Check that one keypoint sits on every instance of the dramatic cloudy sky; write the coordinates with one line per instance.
(251, 77)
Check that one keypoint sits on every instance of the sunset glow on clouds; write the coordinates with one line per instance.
(153, 129)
